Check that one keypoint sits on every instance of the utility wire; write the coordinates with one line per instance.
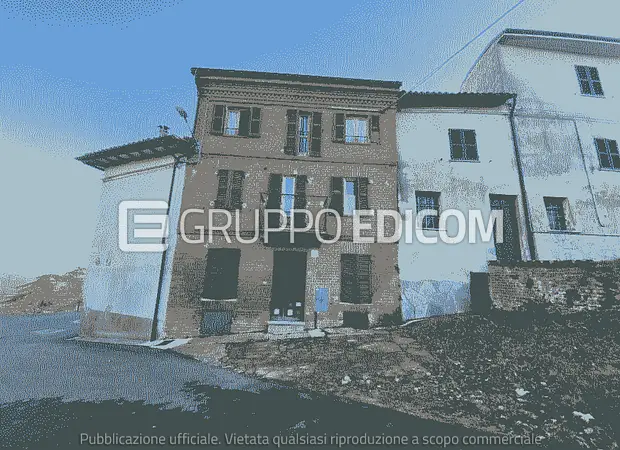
(471, 41)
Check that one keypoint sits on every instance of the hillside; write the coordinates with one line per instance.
(45, 294)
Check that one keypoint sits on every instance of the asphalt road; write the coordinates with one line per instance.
(56, 392)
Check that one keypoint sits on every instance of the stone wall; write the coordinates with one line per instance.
(556, 286)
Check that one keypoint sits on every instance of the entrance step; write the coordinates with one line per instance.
(286, 328)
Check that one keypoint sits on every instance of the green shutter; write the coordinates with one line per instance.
(255, 118)
(291, 132)
(339, 127)
(217, 126)
(315, 138)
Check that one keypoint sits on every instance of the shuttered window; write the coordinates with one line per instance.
(236, 121)
(349, 194)
(229, 189)
(355, 281)
(287, 193)
(222, 274)
(303, 133)
(556, 212)
(356, 129)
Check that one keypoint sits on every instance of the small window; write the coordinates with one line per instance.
(355, 282)
(608, 155)
(589, 81)
(428, 201)
(556, 212)
(229, 189)
(222, 274)
(288, 195)
(356, 130)
(463, 145)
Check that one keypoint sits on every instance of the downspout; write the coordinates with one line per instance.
(585, 169)
(526, 208)
(164, 253)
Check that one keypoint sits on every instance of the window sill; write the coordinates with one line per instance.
(353, 304)
(592, 95)
(233, 136)
(355, 143)
(607, 169)
(464, 160)
(563, 232)
(215, 300)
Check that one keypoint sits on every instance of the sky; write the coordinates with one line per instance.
(78, 76)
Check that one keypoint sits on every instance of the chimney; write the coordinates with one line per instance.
(163, 130)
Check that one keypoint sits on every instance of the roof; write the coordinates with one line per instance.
(560, 41)
(200, 72)
(452, 100)
(139, 151)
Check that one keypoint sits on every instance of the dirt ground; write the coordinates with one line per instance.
(558, 378)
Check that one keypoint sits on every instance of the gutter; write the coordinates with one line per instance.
(526, 208)
(162, 266)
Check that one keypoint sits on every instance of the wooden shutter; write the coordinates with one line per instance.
(244, 122)
(347, 278)
(217, 126)
(255, 121)
(236, 189)
(221, 274)
(339, 127)
(315, 138)
(221, 202)
(362, 193)
(291, 132)
(363, 278)
(273, 198)
(337, 195)
(374, 129)
(300, 200)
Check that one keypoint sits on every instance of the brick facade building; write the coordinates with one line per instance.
(280, 141)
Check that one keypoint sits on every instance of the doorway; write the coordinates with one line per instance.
(510, 249)
(288, 292)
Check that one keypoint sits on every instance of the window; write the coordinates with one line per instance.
(556, 213)
(236, 121)
(589, 81)
(428, 201)
(288, 195)
(349, 194)
(463, 145)
(350, 197)
(356, 129)
(229, 189)
(222, 274)
(355, 283)
(303, 135)
(233, 118)
(608, 155)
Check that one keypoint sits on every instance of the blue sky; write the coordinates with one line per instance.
(88, 75)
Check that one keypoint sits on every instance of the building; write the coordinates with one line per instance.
(567, 129)
(126, 290)
(456, 152)
(282, 141)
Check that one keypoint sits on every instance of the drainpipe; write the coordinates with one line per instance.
(585, 169)
(526, 208)
(162, 266)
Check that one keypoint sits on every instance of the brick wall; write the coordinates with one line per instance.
(558, 286)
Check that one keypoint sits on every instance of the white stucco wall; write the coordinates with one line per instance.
(556, 126)
(435, 277)
(126, 282)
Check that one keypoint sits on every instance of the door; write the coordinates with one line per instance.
(510, 248)
(288, 290)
